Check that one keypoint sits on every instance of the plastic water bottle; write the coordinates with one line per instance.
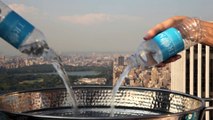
(20, 33)
(167, 44)
(29, 40)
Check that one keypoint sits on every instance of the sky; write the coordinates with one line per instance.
(100, 25)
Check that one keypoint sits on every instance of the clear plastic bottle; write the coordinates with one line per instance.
(20, 33)
(29, 40)
(167, 44)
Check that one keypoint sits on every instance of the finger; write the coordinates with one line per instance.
(161, 65)
(172, 59)
(163, 26)
(159, 28)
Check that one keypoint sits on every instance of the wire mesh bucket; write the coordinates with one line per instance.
(94, 103)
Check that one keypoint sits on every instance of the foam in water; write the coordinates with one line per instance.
(116, 87)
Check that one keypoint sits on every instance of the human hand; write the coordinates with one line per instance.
(171, 22)
(205, 38)
(172, 59)
(206, 27)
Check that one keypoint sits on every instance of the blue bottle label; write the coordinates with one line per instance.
(14, 29)
(170, 42)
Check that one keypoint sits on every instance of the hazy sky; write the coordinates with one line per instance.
(101, 25)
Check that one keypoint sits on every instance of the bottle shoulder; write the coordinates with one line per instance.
(37, 34)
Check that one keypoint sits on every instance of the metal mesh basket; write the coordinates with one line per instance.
(94, 103)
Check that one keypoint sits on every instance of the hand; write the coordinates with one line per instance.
(205, 26)
(161, 27)
(172, 59)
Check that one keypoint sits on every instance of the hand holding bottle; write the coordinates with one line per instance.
(167, 39)
(206, 27)
(206, 35)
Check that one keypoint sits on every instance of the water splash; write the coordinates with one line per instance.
(117, 86)
(49, 54)
(41, 49)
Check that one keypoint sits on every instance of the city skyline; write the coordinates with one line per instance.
(153, 78)
(100, 25)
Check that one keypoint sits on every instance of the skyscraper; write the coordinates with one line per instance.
(121, 61)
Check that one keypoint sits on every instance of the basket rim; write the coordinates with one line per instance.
(199, 109)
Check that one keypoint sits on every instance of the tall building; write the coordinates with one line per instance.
(121, 61)
(196, 75)
(203, 74)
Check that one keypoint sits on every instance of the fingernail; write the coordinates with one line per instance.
(178, 56)
(146, 37)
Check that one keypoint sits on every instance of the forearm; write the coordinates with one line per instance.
(207, 33)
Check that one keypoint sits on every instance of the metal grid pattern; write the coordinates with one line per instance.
(156, 101)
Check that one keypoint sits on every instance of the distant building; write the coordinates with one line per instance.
(153, 78)
(121, 61)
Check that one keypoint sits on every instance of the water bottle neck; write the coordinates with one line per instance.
(4, 10)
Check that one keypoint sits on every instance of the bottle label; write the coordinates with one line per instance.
(170, 42)
(14, 29)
